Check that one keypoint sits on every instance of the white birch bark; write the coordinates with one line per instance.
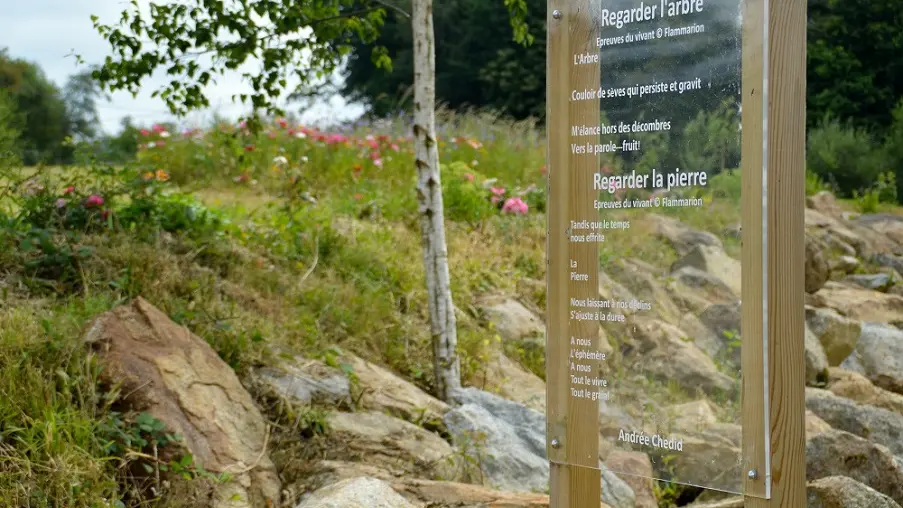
(429, 198)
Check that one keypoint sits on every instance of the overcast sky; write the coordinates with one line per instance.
(46, 31)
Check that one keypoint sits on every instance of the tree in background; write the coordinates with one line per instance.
(289, 37)
(41, 118)
(80, 94)
(478, 64)
(855, 61)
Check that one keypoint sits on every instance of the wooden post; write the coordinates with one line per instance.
(573, 424)
(774, 85)
(773, 254)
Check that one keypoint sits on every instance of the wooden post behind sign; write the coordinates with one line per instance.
(573, 425)
(784, 104)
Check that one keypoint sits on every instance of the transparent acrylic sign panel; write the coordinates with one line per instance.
(669, 202)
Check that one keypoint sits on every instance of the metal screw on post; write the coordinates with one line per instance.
(556, 14)
(556, 444)
(752, 474)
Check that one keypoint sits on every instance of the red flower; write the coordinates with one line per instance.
(69, 190)
(94, 201)
(249, 148)
(358, 197)
(104, 214)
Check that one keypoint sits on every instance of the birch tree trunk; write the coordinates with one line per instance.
(429, 198)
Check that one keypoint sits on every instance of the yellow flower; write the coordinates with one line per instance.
(148, 176)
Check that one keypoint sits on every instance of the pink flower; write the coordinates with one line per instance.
(94, 201)
(469, 177)
(145, 132)
(69, 190)
(498, 193)
(282, 123)
(543, 170)
(358, 197)
(515, 206)
(476, 145)
(61, 203)
(158, 128)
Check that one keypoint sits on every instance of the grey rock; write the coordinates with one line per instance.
(838, 453)
(360, 492)
(615, 491)
(681, 237)
(846, 264)
(818, 271)
(889, 261)
(713, 288)
(873, 423)
(837, 334)
(874, 281)
(512, 438)
(713, 260)
(816, 361)
(879, 355)
(843, 492)
(511, 319)
(305, 381)
(724, 321)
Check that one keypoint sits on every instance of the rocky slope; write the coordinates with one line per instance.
(384, 443)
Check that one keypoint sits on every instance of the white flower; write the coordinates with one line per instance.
(474, 163)
(300, 135)
(151, 144)
(164, 134)
(304, 159)
(280, 160)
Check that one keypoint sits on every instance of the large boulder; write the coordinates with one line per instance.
(511, 319)
(419, 492)
(681, 237)
(837, 334)
(383, 391)
(857, 387)
(385, 441)
(713, 260)
(723, 320)
(886, 224)
(873, 423)
(511, 440)
(825, 203)
(509, 435)
(360, 492)
(818, 271)
(839, 453)
(305, 381)
(645, 284)
(635, 468)
(879, 356)
(662, 351)
(711, 288)
(843, 492)
(174, 375)
(860, 304)
(513, 382)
